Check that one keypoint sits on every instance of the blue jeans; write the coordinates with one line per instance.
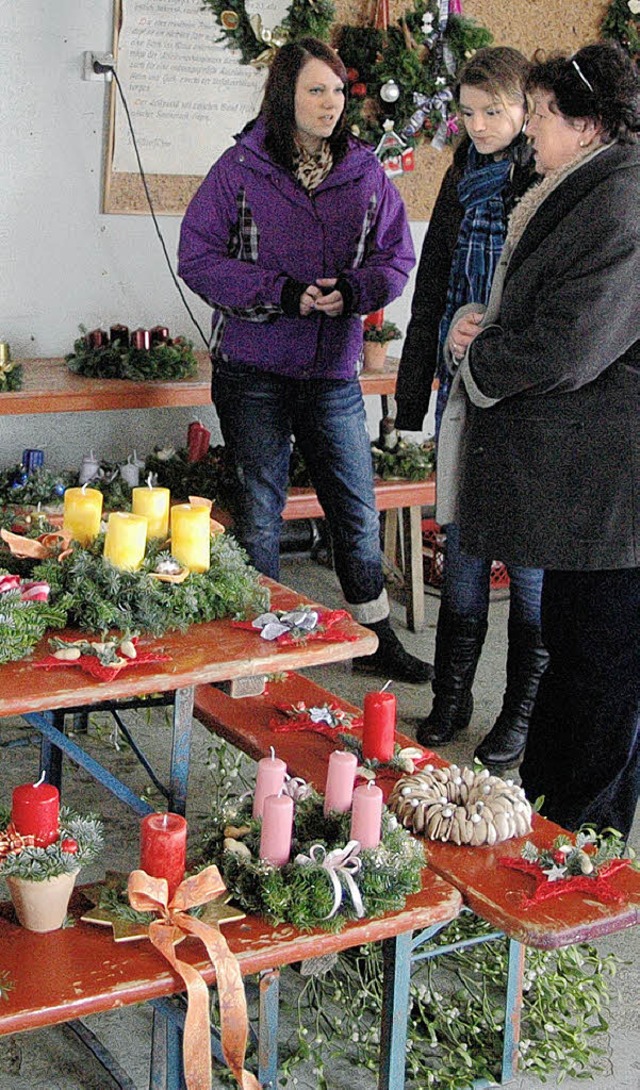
(259, 413)
(467, 584)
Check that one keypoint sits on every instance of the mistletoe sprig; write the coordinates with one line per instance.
(302, 893)
(162, 362)
(621, 24)
(570, 858)
(79, 842)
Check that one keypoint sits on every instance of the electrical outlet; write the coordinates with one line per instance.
(89, 59)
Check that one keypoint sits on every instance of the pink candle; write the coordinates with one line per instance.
(340, 777)
(269, 781)
(163, 848)
(378, 731)
(277, 826)
(35, 811)
(366, 815)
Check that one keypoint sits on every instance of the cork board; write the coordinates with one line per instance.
(525, 24)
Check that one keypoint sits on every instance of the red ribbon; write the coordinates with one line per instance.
(12, 842)
(148, 894)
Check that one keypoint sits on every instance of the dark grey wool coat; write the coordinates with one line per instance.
(551, 460)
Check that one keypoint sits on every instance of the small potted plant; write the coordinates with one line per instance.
(41, 880)
(376, 341)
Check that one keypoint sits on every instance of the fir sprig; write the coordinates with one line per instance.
(22, 623)
(99, 596)
(409, 461)
(11, 380)
(38, 864)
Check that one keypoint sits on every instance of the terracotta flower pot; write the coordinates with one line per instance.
(375, 354)
(42, 906)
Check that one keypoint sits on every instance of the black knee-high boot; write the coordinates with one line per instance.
(503, 746)
(390, 660)
(459, 642)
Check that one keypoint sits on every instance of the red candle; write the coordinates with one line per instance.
(141, 338)
(374, 320)
(159, 334)
(163, 848)
(35, 812)
(366, 815)
(340, 778)
(269, 781)
(119, 333)
(277, 826)
(97, 338)
(378, 731)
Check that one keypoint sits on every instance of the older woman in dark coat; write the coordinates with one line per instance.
(547, 410)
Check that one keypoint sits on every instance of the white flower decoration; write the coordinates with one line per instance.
(634, 6)
(427, 22)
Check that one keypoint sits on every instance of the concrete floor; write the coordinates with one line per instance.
(52, 1060)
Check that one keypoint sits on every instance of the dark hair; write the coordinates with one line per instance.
(598, 83)
(278, 103)
(499, 70)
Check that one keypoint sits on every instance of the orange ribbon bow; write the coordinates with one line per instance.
(147, 894)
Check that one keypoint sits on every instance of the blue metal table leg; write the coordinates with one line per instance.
(102, 1054)
(396, 960)
(180, 749)
(44, 722)
(268, 1029)
(165, 1071)
(51, 754)
(513, 1010)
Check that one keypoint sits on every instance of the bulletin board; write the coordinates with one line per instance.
(525, 24)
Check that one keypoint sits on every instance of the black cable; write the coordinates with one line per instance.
(150, 203)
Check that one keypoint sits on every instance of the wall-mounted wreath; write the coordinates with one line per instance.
(402, 73)
(622, 24)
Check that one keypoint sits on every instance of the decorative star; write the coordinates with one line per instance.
(554, 872)
(216, 912)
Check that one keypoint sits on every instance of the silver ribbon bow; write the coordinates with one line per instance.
(341, 865)
(273, 625)
(425, 104)
(297, 788)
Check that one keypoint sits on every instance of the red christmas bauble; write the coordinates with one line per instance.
(352, 74)
(69, 845)
(359, 90)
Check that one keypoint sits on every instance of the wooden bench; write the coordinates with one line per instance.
(66, 975)
(493, 892)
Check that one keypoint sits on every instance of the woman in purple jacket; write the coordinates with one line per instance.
(295, 233)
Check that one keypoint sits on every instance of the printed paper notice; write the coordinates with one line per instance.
(188, 95)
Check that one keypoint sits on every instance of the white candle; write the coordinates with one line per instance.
(340, 779)
(269, 781)
(366, 815)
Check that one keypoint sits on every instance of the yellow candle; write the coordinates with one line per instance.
(82, 513)
(125, 540)
(153, 503)
(190, 536)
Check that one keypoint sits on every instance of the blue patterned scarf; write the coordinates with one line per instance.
(480, 241)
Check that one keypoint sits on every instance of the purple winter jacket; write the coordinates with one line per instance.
(251, 225)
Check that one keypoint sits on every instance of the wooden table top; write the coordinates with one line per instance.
(94, 973)
(215, 651)
(494, 892)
